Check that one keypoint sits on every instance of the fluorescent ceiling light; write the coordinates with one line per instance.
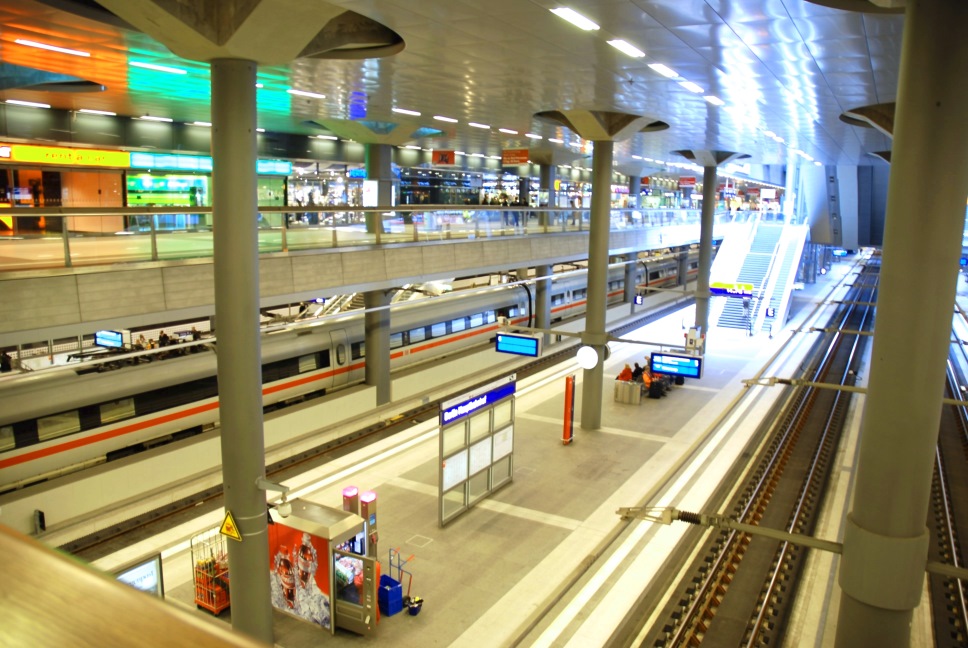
(459, 153)
(477, 155)
(304, 93)
(476, 125)
(260, 130)
(556, 140)
(714, 100)
(818, 163)
(575, 18)
(691, 87)
(259, 85)
(404, 111)
(495, 157)
(412, 147)
(445, 119)
(626, 48)
(201, 123)
(52, 48)
(91, 111)
(327, 137)
(158, 68)
(29, 104)
(508, 131)
(157, 119)
(533, 136)
(664, 70)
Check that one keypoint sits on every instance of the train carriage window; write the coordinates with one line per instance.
(358, 350)
(117, 410)
(653, 275)
(51, 427)
(6, 438)
(307, 363)
(340, 355)
(396, 340)
(438, 330)
(458, 324)
(490, 317)
(323, 359)
(557, 300)
(418, 335)
(477, 319)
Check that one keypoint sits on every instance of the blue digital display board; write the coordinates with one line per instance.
(672, 364)
(525, 345)
(109, 339)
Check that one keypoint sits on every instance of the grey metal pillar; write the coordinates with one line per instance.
(631, 261)
(635, 189)
(705, 247)
(542, 301)
(236, 261)
(594, 334)
(377, 340)
(378, 167)
(548, 184)
(886, 542)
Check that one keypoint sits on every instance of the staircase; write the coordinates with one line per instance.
(789, 253)
(754, 270)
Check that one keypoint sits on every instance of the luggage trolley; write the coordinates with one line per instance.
(210, 560)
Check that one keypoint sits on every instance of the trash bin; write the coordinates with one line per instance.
(390, 596)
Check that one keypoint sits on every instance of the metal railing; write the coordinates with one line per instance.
(65, 237)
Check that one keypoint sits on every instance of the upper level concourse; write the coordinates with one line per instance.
(64, 285)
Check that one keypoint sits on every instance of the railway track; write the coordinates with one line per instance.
(115, 537)
(740, 589)
(949, 504)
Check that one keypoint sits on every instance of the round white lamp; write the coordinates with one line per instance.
(587, 357)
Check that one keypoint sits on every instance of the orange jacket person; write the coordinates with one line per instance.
(625, 374)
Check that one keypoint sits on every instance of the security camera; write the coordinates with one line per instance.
(284, 508)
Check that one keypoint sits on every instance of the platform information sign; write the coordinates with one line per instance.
(672, 364)
(526, 345)
(725, 289)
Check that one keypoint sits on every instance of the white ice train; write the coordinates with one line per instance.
(54, 422)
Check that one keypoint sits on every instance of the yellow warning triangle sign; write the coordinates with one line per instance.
(229, 528)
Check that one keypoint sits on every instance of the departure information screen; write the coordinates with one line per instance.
(672, 364)
(518, 345)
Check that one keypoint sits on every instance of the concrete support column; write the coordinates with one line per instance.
(542, 301)
(377, 341)
(631, 262)
(548, 184)
(378, 167)
(709, 181)
(594, 335)
(886, 542)
(635, 189)
(236, 262)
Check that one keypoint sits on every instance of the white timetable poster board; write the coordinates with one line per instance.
(455, 470)
(503, 442)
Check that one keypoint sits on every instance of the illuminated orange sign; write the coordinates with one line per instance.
(513, 157)
(64, 156)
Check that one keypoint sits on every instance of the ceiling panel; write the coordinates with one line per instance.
(782, 65)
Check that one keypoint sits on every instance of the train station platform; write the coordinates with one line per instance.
(545, 560)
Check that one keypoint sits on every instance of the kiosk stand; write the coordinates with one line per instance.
(314, 573)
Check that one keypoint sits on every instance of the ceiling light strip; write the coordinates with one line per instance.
(52, 48)
(157, 68)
